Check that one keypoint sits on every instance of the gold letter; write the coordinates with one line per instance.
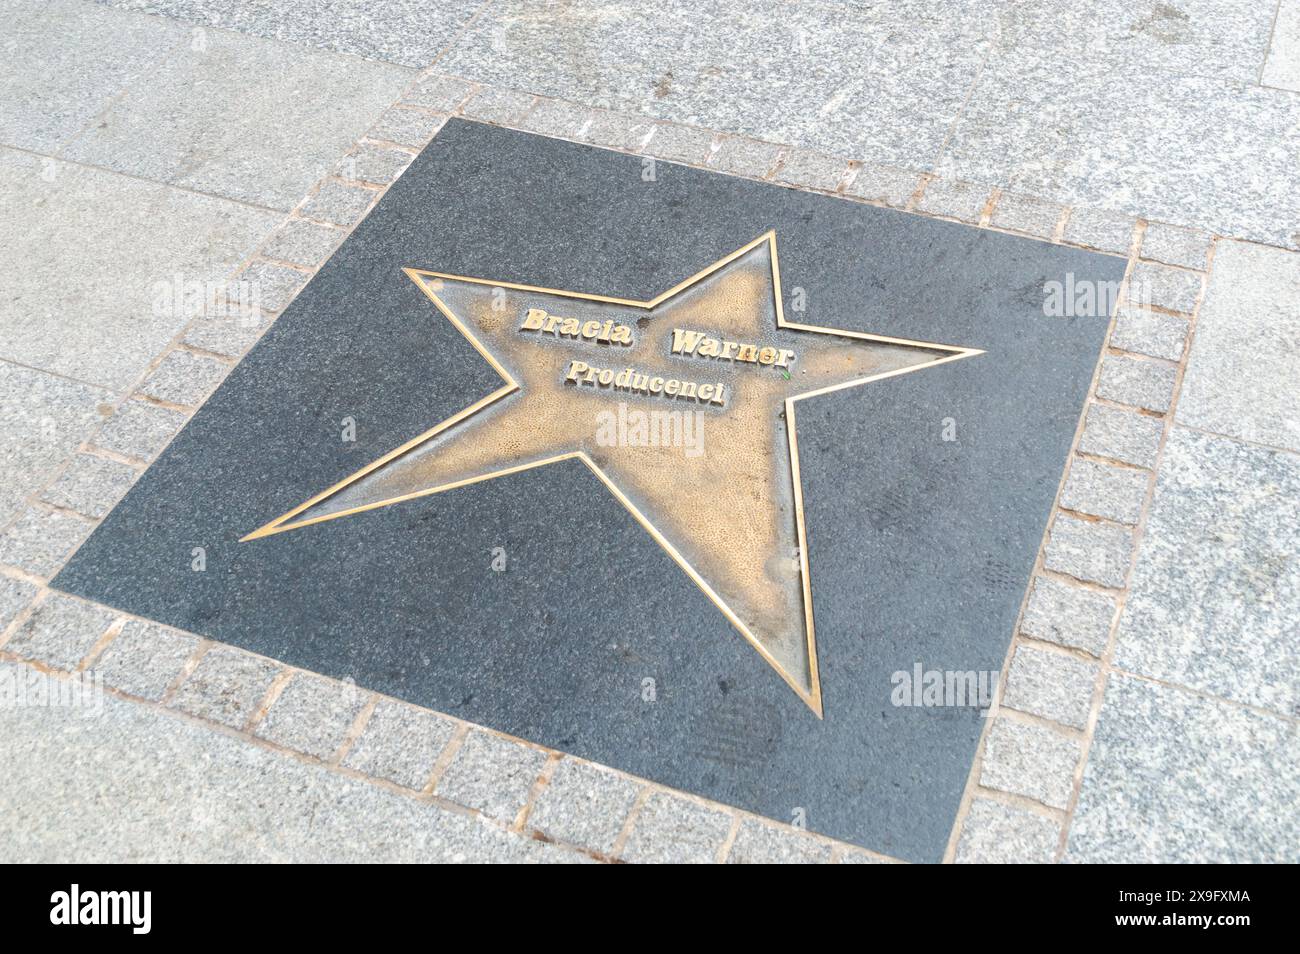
(685, 341)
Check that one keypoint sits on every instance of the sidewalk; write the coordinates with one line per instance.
(1149, 704)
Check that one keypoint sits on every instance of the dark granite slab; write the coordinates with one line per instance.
(920, 548)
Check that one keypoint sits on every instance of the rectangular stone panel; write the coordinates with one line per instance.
(652, 613)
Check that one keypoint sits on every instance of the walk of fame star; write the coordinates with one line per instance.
(717, 346)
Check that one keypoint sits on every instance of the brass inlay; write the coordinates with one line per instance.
(731, 516)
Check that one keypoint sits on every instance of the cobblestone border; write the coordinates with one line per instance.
(1025, 779)
(1024, 785)
(515, 785)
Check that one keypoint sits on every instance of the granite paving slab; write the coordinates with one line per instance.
(1178, 778)
(406, 32)
(1282, 68)
(149, 787)
(109, 265)
(769, 70)
(47, 94)
(47, 418)
(241, 117)
(1215, 601)
(1188, 150)
(1247, 332)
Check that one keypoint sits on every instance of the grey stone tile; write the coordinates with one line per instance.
(1069, 615)
(61, 631)
(227, 686)
(339, 204)
(1199, 37)
(1121, 435)
(1036, 127)
(1173, 245)
(272, 286)
(887, 184)
(584, 805)
(492, 774)
(139, 239)
(397, 31)
(955, 199)
(673, 830)
(229, 335)
(1099, 229)
(91, 485)
(46, 419)
(761, 843)
(1282, 68)
(1090, 551)
(1178, 778)
(1149, 332)
(99, 52)
(1246, 331)
(680, 143)
(400, 743)
(139, 429)
(257, 134)
(369, 162)
(1050, 684)
(1000, 834)
(303, 243)
(812, 170)
(15, 596)
(445, 94)
(884, 85)
(145, 658)
(555, 117)
(38, 541)
(1172, 288)
(155, 788)
(1104, 490)
(312, 715)
(1030, 760)
(1137, 382)
(1020, 213)
(493, 104)
(746, 157)
(183, 377)
(618, 131)
(407, 127)
(1215, 595)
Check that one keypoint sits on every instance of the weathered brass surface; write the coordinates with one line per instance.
(582, 376)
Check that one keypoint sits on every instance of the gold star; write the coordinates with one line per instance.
(719, 489)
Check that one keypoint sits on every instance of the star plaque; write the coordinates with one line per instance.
(576, 369)
(729, 446)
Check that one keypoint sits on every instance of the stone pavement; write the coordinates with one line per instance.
(1149, 702)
